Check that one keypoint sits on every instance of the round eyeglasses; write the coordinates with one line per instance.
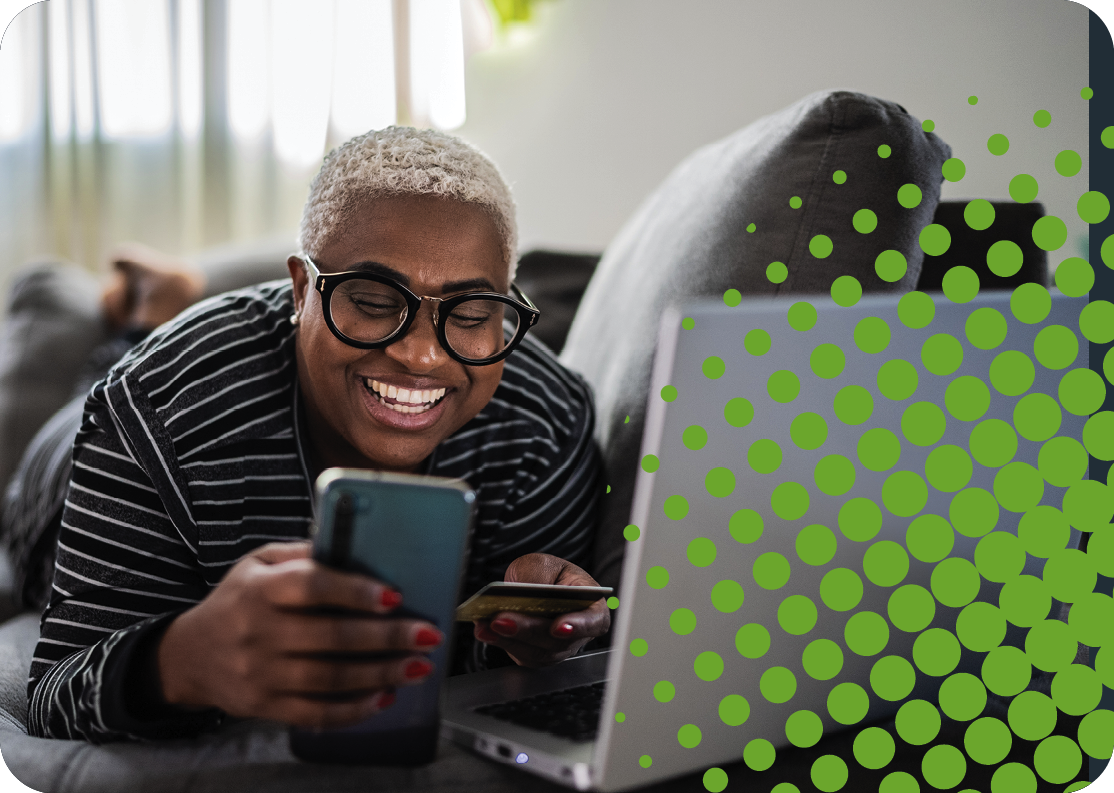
(369, 311)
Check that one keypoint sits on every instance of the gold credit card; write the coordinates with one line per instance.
(540, 600)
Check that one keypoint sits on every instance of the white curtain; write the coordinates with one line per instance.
(185, 123)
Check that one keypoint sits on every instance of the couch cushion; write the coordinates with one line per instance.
(692, 238)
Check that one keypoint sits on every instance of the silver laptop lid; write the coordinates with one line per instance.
(804, 471)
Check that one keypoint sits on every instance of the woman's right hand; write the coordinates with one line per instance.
(253, 648)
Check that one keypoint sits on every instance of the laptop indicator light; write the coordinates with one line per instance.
(522, 758)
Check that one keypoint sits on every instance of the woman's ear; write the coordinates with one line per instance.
(300, 278)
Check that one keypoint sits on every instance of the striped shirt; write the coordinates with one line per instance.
(189, 457)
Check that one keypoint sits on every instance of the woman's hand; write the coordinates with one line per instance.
(536, 641)
(259, 645)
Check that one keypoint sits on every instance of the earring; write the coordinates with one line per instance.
(294, 318)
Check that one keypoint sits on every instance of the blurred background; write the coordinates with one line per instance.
(186, 124)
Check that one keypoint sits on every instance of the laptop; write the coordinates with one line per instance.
(777, 559)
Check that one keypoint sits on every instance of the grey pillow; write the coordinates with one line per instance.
(690, 238)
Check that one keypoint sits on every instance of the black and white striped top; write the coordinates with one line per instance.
(188, 458)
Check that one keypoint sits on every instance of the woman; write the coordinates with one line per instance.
(184, 588)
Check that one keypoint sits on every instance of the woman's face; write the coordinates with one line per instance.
(436, 247)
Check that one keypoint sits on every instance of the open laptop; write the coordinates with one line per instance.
(726, 593)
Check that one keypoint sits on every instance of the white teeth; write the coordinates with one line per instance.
(410, 401)
(425, 395)
(392, 392)
(403, 395)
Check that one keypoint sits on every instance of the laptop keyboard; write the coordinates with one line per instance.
(572, 713)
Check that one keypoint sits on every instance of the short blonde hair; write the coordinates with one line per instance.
(406, 161)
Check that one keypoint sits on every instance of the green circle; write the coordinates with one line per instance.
(1043, 531)
(872, 335)
(986, 328)
(1107, 137)
(1091, 619)
(797, 615)
(820, 246)
(746, 526)
(738, 412)
(1012, 372)
(1082, 391)
(979, 214)
(777, 272)
(713, 367)
(897, 379)
(1101, 548)
(917, 722)
(734, 710)
(848, 703)
(890, 265)
(1013, 778)
(961, 284)
(916, 310)
(1006, 671)
(923, 423)
(631, 533)
(885, 563)
(783, 386)
(1096, 732)
(967, 398)
(808, 431)
(682, 621)
(664, 691)
(822, 659)
(955, 582)
(1032, 715)
(1049, 645)
(669, 393)
(732, 298)
(801, 316)
(727, 596)
(1068, 163)
(778, 684)
(689, 736)
(613, 602)
(1098, 435)
(953, 169)
(715, 780)
(936, 652)
(962, 697)
(972, 100)
(1004, 258)
(752, 640)
(928, 125)
(1050, 233)
(941, 354)
(839, 177)
(757, 342)
(708, 666)
(834, 474)
(759, 754)
(864, 221)
(1037, 417)
(676, 507)
(841, 589)
(804, 728)
(688, 323)
(878, 449)
(998, 144)
(1074, 277)
(694, 437)
(929, 538)
(657, 577)
(948, 468)
(1093, 207)
(846, 291)
(904, 493)
(771, 570)
(795, 202)
(650, 463)
(1096, 321)
(892, 678)
(639, 647)
(827, 361)
(1030, 303)
(764, 456)
(999, 557)
(789, 500)
(935, 239)
(911, 608)
(720, 482)
(860, 519)
(1025, 601)
(909, 196)
(620, 717)
(874, 748)
(1042, 118)
(1076, 690)
(701, 552)
(884, 151)
(1023, 188)
(988, 741)
(829, 773)
(853, 404)
(1058, 759)
(816, 545)
(973, 512)
(1018, 486)
(1070, 575)
(751, 228)
(866, 633)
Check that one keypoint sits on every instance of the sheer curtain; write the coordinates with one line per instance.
(185, 123)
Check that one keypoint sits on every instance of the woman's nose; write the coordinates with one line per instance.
(420, 350)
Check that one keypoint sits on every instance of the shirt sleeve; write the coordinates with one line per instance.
(124, 571)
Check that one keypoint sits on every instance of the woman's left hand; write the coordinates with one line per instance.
(538, 641)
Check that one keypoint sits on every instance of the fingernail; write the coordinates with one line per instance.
(507, 627)
(387, 699)
(418, 668)
(427, 637)
(565, 629)
(390, 598)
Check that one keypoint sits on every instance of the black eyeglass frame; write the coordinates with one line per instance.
(326, 284)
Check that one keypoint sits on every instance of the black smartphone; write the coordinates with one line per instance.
(411, 532)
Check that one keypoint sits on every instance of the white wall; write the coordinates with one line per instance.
(588, 117)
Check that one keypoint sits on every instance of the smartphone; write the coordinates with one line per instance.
(411, 532)
(539, 600)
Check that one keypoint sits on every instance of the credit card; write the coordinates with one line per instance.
(539, 600)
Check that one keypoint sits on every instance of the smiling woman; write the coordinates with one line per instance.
(169, 610)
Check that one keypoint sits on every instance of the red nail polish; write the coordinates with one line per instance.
(418, 668)
(427, 637)
(387, 699)
(390, 598)
(565, 629)
(507, 627)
